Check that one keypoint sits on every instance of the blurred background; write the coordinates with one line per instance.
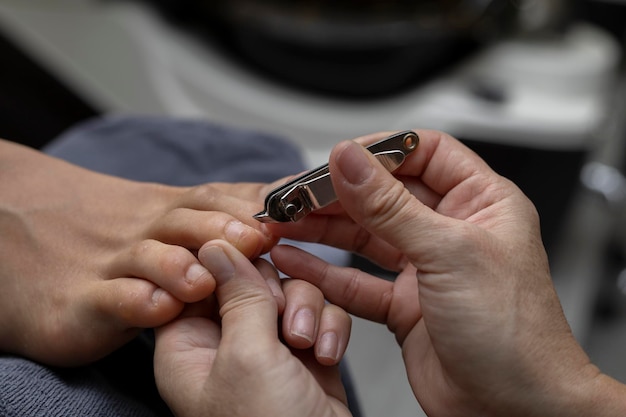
(536, 87)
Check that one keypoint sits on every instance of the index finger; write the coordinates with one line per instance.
(356, 291)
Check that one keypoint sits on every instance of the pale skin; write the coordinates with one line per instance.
(88, 260)
(237, 365)
(473, 306)
(474, 309)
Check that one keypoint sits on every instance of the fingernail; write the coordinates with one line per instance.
(274, 288)
(195, 272)
(328, 346)
(216, 261)
(303, 324)
(354, 164)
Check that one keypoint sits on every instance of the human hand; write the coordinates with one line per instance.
(88, 259)
(241, 368)
(481, 327)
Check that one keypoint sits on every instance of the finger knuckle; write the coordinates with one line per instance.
(352, 284)
(385, 204)
(361, 240)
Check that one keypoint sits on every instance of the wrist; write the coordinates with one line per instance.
(587, 392)
(571, 387)
(602, 396)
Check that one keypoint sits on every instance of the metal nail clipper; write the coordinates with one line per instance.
(313, 189)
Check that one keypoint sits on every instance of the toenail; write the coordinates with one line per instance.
(235, 231)
(195, 272)
(156, 295)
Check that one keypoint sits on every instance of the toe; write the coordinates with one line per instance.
(171, 267)
(130, 303)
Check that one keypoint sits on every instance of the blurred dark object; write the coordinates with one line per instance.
(547, 177)
(346, 47)
(608, 14)
(34, 106)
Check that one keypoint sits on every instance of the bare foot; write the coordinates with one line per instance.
(87, 260)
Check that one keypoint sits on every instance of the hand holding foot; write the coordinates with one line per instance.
(88, 259)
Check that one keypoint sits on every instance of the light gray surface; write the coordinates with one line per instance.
(122, 58)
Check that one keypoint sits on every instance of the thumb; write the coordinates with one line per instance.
(248, 309)
(379, 202)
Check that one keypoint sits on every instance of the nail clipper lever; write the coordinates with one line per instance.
(313, 189)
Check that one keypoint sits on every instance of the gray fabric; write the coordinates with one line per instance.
(29, 389)
(176, 151)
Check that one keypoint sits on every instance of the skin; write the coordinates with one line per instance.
(88, 259)
(473, 306)
(236, 365)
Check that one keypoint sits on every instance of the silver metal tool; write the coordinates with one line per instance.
(314, 189)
